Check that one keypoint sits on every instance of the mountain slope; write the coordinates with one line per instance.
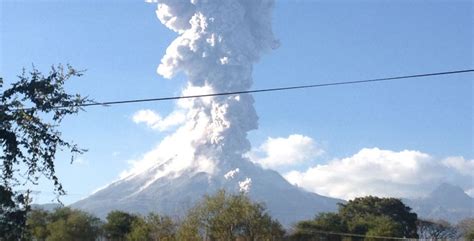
(175, 194)
(446, 202)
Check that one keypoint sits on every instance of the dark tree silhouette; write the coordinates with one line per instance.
(29, 117)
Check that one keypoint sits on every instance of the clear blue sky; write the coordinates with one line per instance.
(120, 43)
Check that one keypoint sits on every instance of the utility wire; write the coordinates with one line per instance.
(268, 89)
(356, 235)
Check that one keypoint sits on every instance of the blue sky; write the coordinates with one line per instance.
(120, 43)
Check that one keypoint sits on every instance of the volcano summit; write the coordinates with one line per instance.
(218, 42)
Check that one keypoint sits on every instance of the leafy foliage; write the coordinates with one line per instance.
(356, 213)
(365, 217)
(327, 222)
(229, 217)
(153, 227)
(139, 230)
(466, 228)
(29, 117)
(73, 225)
(63, 224)
(119, 225)
(161, 227)
(37, 224)
(12, 214)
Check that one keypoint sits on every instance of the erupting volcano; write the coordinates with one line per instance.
(218, 42)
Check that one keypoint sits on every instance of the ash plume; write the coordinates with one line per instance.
(218, 42)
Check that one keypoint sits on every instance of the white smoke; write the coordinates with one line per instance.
(244, 186)
(218, 42)
(156, 122)
(231, 174)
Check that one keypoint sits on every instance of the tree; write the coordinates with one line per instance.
(152, 227)
(466, 228)
(361, 218)
(356, 211)
(13, 211)
(29, 117)
(37, 224)
(119, 225)
(381, 226)
(440, 229)
(139, 230)
(162, 228)
(229, 217)
(62, 224)
(72, 225)
(320, 227)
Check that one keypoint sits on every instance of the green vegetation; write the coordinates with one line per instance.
(364, 217)
(219, 217)
(229, 217)
(28, 132)
(466, 228)
(62, 224)
(118, 225)
(225, 216)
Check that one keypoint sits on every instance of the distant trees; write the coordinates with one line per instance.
(466, 228)
(74, 225)
(220, 217)
(63, 224)
(364, 217)
(326, 222)
(229, 217)
(119, 225)
(37, 224)
(235, 217)
(439, 229)
(153, 227)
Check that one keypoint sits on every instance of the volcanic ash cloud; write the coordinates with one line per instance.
(218, 42)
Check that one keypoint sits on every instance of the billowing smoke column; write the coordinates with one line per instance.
(218, 42)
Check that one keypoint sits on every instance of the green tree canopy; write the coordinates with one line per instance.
(37, 224)
(119, 225)
(326, 222)
(63, 224)
(356, 211)
(466, 228)
(153, 227)
(72, 225)
(381, 226)
(229, 217)
(162, 228)
(361, 218)
(139, 230)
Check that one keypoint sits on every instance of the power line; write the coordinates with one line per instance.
(355, 235)
(107, 103)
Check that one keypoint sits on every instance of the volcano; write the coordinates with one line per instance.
(217, 45)
(174, 195)
(447, 202)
